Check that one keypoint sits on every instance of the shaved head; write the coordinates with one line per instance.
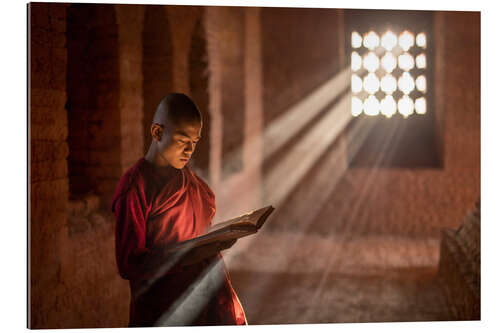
(176, 108)
(175, 131)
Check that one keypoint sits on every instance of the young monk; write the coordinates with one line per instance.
(158, 203)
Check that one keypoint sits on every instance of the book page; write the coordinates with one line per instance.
(237, 227)
(249, 218)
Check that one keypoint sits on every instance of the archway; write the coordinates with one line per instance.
(93, 99)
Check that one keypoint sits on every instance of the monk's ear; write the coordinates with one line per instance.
(157, 131)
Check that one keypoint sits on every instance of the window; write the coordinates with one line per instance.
(390, 55)
(388, 73)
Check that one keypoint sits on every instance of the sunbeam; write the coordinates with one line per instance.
(285, 127)
(301, 157)
(283, 250)
(187, 307)
(262, 145)
(332, 260)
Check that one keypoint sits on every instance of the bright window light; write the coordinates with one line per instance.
(406, 83)
(355, 61)
(421, 84)
(406, 61)
(421, 61)
(371, 84)
(406, 40)
(371, 62)
(356, 106)
(356, 40)
(388, 62)
(388, 84)
(405, 106)
(394, 62)
(421, 40)
(420, 105)
(388, 106)
(371, 40)
(389, 40)
(371, 106)
(356, 84)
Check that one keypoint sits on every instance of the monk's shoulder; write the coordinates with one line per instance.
(132, 178)
(201, 183)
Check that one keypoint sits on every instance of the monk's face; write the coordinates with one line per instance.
(178, 142)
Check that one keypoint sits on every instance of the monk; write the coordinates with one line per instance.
(157, 203)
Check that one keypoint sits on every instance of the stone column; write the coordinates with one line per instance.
(130, 22)
(252, 147)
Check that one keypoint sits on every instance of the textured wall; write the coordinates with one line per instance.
(304, 86)
(84, 85)
(96, 296)
(86, 113)
(104, 95)
(460, 267)
(226, 31)
(157, 53)
(300, 51)
(460, 250)
(235, 165)
(130, 25)
(198, 87)
(48, 168)
(93, 99)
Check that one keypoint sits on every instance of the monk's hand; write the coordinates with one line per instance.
(206, 251)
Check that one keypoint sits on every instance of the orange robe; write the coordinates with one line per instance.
(153, 213)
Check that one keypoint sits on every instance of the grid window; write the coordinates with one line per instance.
(388, 71)
(394, 116)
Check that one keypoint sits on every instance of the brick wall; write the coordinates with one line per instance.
(130, 20)
(157, 58)
(300, 49)
(226, 31)
(96, 296)
(85, 116)
(48, 152)
(198, 87)
(93, 99)
(235, 90)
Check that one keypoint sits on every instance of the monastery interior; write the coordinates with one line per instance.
(377, 199)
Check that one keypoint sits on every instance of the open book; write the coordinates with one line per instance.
(237, 227)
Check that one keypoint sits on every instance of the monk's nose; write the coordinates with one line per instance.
(189, 148)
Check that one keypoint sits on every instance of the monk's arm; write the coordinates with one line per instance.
(136, 261)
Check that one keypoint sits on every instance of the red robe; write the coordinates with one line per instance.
(153, 213)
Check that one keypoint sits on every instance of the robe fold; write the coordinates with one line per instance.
(153, 212)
